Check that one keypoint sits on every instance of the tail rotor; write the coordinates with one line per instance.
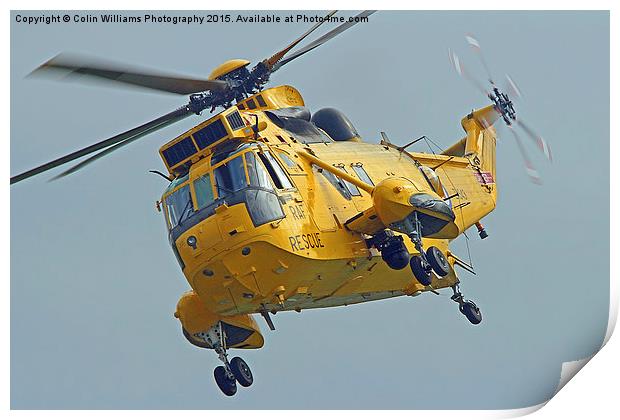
(504, 106)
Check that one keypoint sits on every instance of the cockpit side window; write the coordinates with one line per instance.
(256, 172)
(203, 191)
(278, 175)
(230, 177)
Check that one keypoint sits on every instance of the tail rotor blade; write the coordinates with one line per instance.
(513, 88)
(475, 45)
(457, 64)
(542, 145)
(531, 171)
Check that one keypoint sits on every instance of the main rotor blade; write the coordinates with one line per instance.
(531, 171)
(115, 147)
(73, 65)
(323, 39)
(540, 142)
(271, 61)
(129, 135)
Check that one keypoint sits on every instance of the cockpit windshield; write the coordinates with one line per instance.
(241, 179)
(179, 206)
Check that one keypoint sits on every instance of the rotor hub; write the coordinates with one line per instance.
(503, 105)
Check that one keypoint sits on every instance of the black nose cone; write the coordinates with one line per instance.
(432, 204)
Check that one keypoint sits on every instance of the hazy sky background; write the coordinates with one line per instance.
(94, 282)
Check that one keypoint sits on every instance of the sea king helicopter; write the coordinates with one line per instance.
(271, 208)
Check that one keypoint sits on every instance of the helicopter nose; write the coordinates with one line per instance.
(436, 206)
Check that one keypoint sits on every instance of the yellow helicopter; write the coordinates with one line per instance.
(273, 208)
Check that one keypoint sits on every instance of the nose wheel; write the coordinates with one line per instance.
(233, 371)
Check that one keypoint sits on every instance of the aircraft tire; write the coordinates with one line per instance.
(242, 371)
(226, 385)
(471, 312)
(419, 270)
(438, 261)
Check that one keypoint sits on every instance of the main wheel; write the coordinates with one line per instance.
(242, 371)
(420, 270)
(227, 386)
(471, 312)
(438, 261)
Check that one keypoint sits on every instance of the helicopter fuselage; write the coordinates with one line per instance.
(262, 228)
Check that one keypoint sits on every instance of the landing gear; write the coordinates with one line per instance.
(427, 261)
(438, 261)
(242, 371)
(227, 385)
(421, 270)
(237, 370)
(471, 312)
(396, 256)
(467, 307)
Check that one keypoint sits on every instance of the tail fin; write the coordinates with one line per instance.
(479, 143)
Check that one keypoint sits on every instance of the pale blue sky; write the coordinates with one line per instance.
(94, 282)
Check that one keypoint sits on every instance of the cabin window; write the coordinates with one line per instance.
(251, 104)
(335, 181)
(278, 176)
(433, 179)
(230, 177)
(261, 101)
(353, 190)
(203, 191)
(361, 173)
(287, 160)
(179, 206)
